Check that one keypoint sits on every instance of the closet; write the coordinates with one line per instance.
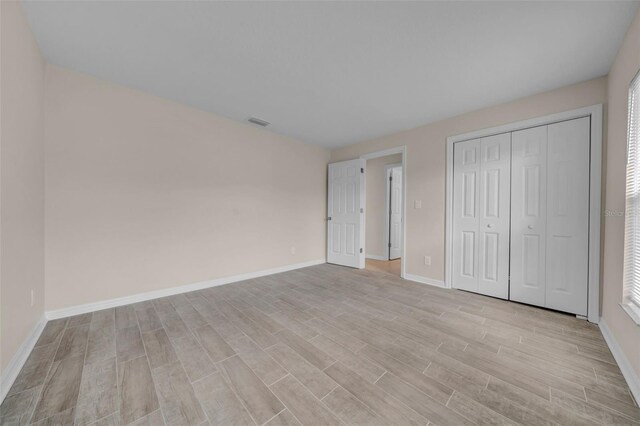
(521, 215)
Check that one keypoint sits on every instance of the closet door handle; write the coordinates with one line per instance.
(530, 226)
(489, 225)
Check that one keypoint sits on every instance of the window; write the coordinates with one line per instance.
(632, 214)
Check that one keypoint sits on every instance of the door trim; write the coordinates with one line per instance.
(383, 153)
(595, 191)
(387, 216)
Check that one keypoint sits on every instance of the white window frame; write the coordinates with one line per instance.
(631, 283)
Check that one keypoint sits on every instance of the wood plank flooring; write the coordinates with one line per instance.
(321, 345)
(390, 266)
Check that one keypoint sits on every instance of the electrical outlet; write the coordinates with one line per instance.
(427, 260)
(293, 250)
(33, 297)
(417, 204)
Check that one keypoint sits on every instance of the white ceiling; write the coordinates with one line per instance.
(334, 73)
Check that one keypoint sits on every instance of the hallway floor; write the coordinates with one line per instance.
(389, 266)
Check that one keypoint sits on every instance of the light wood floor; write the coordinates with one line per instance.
(389, 266)
(321, 345)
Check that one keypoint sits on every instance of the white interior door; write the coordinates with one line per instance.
(495, 181)
(466, 221)
(528, 213)
(568, 216)
(481, 203)
(550, 216)
(345, 217)
(520, 215)
(395, 213)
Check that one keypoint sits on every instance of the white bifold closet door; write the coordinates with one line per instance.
(528, 215)
(550, 216)
(481, 215)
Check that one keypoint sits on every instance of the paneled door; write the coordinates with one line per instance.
(466, 220)
(493, 251)
(528, 215)
(520, 215)
(481, 215)
(395, 213)
(550, 216)
(568, 216)
(345, 217)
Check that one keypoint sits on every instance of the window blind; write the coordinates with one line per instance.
(632, 211)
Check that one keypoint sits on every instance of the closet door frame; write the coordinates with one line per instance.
(595, 188)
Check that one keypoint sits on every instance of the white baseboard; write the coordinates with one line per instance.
(630, 375)
(141, 297)
(375, 257)
(17, 362)
(424, 280)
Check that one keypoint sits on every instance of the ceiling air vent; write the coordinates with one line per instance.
(258, 121)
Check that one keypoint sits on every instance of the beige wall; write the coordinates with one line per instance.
(21, 181)
(375, 209)
(426, 161)
(626, 65)
(144, 194)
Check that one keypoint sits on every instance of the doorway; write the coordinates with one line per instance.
(358, 200)
(383, 214)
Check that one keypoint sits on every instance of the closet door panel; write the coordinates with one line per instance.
(528, 212)
(493, 255)
(568, 216)
(466, 201)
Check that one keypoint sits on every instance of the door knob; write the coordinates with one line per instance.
(530, 226)
(489, 225)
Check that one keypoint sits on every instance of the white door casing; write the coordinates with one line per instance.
(493, 247)
(345, 217)
(568, 216)
(466, 199)
(395, 213)
(402, 149)
(528, 213)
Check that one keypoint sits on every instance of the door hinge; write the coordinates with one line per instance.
(390, 178)
(361, 210)
(361, 169)
(389, 245)
(360, 250)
